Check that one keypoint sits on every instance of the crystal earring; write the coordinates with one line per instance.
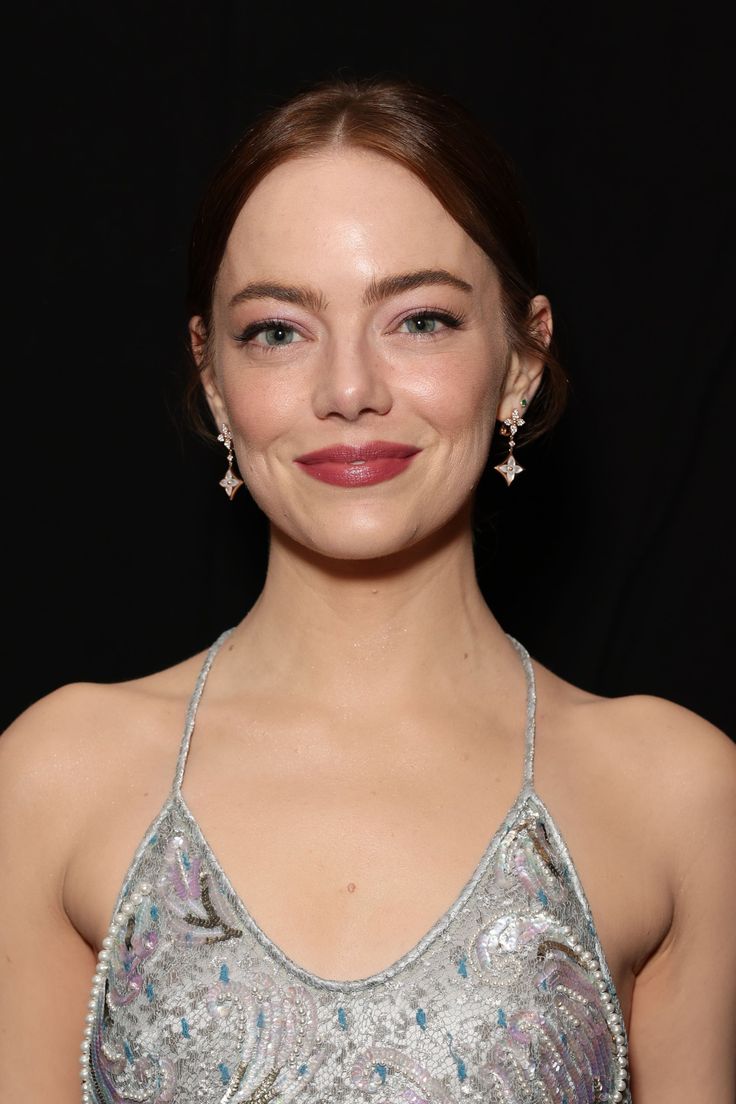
(509, 469)
(230, 482)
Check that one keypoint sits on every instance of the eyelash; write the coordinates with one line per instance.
(448, 318)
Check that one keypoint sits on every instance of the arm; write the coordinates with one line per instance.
(46, 967)
(683, 1015)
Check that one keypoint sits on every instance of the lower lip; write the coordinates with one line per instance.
(363, 474)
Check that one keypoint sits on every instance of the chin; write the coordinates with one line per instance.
(370, 538)
(363, 546)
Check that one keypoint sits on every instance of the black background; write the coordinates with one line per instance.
(611, 557)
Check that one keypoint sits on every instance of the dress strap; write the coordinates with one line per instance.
(192, 709)
(531, 713)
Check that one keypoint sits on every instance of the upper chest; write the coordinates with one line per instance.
(347, 859)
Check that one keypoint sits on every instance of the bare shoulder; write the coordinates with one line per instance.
(691, 758)
(57, 758)
(672, 771)
(639, 739)
(68, 768)
(692, 765)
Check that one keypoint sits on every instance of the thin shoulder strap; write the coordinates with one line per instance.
(192, 710)
(531, 713)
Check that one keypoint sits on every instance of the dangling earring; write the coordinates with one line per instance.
(230, 482)
(510, 469)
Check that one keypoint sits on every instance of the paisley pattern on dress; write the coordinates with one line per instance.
(198, 912)
(506, 1000)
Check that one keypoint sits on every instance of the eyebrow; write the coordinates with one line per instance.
(407, 281)
(376, 292)
(287, 293)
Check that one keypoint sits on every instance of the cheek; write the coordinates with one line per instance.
(261, 411)
(461, 401)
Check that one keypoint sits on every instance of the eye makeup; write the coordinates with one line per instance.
(421, 318)
(448, 318)
(268, 325)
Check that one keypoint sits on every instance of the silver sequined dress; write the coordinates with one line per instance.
(506, 1000)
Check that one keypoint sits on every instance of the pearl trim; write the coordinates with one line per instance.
(119, 920)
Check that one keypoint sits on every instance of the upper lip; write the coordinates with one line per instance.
(371, 450)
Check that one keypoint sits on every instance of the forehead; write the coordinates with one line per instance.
(350, 207)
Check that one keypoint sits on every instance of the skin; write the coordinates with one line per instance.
(369, 704)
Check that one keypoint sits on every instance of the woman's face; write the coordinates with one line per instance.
(350, 309)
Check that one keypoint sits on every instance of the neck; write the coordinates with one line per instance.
(359, 632)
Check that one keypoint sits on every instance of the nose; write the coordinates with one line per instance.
(351, 380)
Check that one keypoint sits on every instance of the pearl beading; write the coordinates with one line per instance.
(613, 1019)
(119, 920)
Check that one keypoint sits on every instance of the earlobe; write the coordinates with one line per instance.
(213, 396)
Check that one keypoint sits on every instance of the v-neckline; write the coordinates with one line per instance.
(526, 792)
(526, 795)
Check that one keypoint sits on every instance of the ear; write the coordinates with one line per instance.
(198, 338)
(525, 370)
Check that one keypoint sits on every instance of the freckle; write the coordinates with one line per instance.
(465, 655)
(351, 887)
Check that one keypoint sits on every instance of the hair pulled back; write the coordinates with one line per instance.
(432, 136)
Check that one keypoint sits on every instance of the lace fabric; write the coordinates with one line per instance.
(507, 999)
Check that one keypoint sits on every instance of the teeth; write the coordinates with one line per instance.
(354, 462)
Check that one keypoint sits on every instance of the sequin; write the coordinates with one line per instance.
(506, 1000)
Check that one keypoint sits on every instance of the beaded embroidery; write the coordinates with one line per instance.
(506, 1000)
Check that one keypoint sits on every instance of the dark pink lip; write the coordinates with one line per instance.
(357, 465)
(371, 450)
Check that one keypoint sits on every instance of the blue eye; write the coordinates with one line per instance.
(279, 335)
(276, 334)
(421, 324)
(430, 322)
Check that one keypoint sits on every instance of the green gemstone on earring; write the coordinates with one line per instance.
(524, 402)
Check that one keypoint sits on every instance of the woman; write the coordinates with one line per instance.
(315, 911)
